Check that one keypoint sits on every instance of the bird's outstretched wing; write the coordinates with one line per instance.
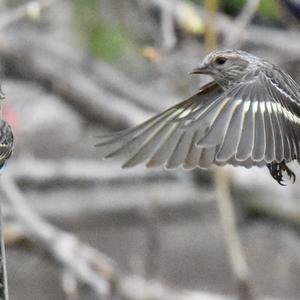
(251, 123)
(163, 140)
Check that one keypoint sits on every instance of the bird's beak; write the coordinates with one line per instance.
(202, 69)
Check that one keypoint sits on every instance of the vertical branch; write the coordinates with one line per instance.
(241, 22)
(3, 273)
(228, 221)
(210, 31)
(168, 28)
(31, 9)
(70, 285)
(226, 210)
(153, 241)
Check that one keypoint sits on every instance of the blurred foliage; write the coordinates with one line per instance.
(189, 20)
(268, 9)
(110, 42)
(103, 40)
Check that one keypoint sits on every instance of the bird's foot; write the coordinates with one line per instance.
(276, 170)
(289, 172)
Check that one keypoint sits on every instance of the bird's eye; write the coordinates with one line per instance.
(221, 60)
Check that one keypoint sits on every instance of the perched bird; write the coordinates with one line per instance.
(6, 143)
(249, 115)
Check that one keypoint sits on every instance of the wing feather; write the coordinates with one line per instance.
(130, 143)
(269, 129)
(207, 157)
(6, 141)
(193, 156)
(149, 146)
(254, 122)
(259, 146)
(247, 138)
(180, 151)
(163, 153)
(232, 134)
(286, 106)
(219, 123)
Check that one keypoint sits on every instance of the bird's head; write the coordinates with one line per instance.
(226, 66)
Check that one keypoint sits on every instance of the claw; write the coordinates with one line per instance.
(276, 170)
(290, 173)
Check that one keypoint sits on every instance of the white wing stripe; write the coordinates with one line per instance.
(278, 108)
(283, 92)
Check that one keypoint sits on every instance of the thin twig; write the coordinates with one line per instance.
(232, 39)
(3, 271)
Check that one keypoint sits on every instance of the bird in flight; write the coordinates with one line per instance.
(249, 115)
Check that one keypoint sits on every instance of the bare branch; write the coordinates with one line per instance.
(241, 23)
(210, 8)
(282, 40)
(168, 27)
(3, 272)
(89, 265)
(152, 224)
(224, 200)
(47, 172)
(228, 222)
(64, 247)
(31, 10)
(32, 61)
(69, 285)
(282, 214)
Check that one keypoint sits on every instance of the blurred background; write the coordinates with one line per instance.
(77, 227)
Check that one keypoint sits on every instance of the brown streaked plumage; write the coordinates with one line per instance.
(6, 143)
(249, 115)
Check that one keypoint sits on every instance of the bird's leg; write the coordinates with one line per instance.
(290, 173)
(276, 170)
